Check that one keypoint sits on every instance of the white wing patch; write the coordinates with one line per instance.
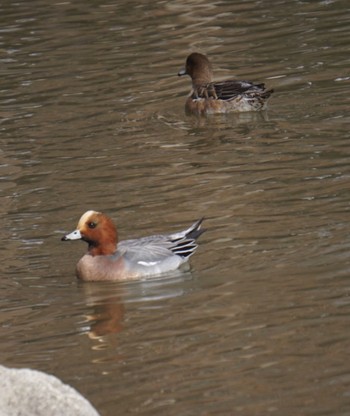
(148, 263)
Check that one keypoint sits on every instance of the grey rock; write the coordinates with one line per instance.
(26, 392)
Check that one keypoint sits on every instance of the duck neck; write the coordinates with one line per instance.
(102, 249)
(202, 77)
(104, 244)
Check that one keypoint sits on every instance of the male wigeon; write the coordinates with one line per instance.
(208, 97)
(108, 259)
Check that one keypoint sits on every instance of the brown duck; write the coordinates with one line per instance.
(208, 97)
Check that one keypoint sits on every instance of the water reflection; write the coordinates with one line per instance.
(107, 309)
(109, 301)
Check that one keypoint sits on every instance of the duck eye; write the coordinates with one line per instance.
(92, 224)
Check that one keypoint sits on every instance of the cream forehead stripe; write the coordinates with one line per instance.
(84, 218)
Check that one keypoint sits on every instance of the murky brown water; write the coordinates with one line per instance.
(92, 117)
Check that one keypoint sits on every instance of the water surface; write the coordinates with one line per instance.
(92, 117)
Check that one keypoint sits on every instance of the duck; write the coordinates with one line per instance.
(208, 97)
(108, 259)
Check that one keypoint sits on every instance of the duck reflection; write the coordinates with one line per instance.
(107, 300)
(107, 308)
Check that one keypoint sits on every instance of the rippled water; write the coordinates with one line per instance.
(92, 117)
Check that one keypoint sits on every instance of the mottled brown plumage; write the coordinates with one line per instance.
(209, 97)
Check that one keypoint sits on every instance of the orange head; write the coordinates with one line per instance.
(98, 231)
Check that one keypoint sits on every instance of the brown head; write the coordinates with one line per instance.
(98, 231)
(198, 68)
